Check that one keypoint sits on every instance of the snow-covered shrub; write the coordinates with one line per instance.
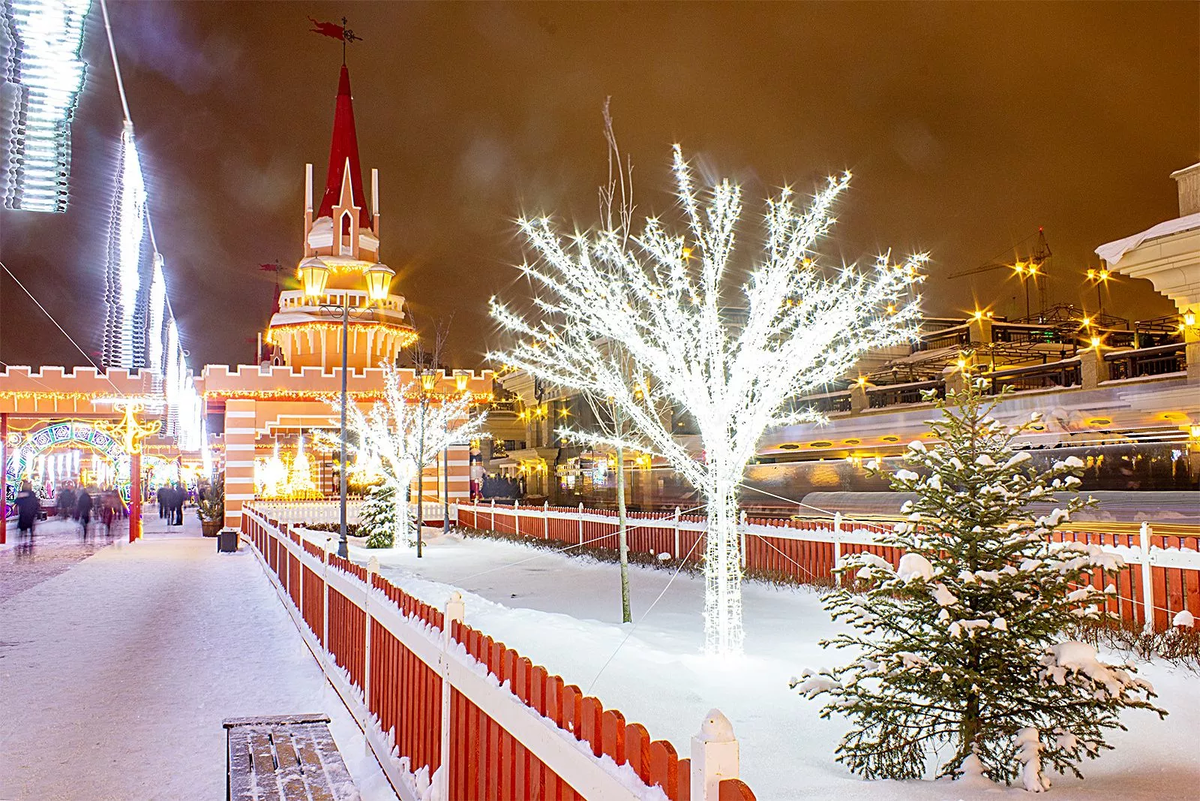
(379, 515)
(964, 645)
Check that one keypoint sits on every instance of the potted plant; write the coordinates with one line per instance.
(211, 510)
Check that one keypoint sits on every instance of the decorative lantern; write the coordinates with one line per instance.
(379, 282)
(429, 380)
(314, 275)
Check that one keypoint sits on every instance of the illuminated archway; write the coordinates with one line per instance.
(25, 448)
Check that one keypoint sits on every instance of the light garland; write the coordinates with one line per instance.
(405, 336)
(127, 229)
(473, 398)
(45, 74)
(641, 320)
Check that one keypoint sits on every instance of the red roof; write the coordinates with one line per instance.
(344, 146)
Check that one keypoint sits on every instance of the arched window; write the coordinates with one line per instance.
(345, 240)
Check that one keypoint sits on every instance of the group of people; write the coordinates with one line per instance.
(70, 503)
(171, 498)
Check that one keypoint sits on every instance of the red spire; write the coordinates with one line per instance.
(344, 146)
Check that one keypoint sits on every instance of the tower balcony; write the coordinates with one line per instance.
(308, 331)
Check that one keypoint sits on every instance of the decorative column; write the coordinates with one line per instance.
(240, 434)
(4, 477)
(135, 495)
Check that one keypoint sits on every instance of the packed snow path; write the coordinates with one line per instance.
(564, 612)
(57, 545)
(115, 675)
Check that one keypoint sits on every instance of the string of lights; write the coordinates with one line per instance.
(140, 329)
(45, 74)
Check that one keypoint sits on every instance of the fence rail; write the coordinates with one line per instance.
(1162, 572)
(442, 702)
(328, 511)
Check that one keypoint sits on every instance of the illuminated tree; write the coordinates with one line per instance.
(402, 436)
(734, 365)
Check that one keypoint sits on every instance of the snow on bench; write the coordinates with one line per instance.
(285, 758)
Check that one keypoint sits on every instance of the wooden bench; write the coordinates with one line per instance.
(285, 758)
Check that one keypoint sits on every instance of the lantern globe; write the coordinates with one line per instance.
(379, 281)
(314, 275)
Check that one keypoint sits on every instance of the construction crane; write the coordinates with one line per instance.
(1032, 268)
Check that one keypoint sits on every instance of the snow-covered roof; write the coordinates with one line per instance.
(1113, 252)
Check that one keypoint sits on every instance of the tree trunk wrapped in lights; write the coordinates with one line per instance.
(402, 436)
(965, 644)
(658, 299)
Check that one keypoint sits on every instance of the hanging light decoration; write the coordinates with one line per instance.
(45, 72)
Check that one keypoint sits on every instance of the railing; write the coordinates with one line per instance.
(1160, 360)
(1040, 376)
(328, 510)
(897, 394)
(444, 704)
(955, 337)
(806, 551)
(828, 403)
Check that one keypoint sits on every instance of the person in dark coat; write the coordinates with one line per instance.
(83, 510)
(27, 511)
(162, 501)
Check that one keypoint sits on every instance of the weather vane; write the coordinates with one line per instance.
(335, 31)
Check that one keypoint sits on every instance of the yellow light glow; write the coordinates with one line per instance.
(1189, 319)
(1096, 342)
(314, 275)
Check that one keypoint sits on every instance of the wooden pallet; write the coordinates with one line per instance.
(285, 758)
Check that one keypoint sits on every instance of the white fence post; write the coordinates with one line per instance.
(455, 611)
(372, 571)
(714, 757)
(546, 520)
(493, 514)
(742, 522)
(1147, 584)
(581, 522)
(517, 517)
(837, 539)
(325, 582)
(676, 527)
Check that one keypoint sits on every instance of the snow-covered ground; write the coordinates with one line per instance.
(57, 545)
(116, 673)
(564, 612)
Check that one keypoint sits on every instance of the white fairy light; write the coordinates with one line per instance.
(158, 307)
(658, 299)
(399, 439)
(123, 274)
(46, 74)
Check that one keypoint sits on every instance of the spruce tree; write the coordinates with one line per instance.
(965, 644)
(378, 519)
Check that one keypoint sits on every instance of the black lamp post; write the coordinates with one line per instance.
(314, 275)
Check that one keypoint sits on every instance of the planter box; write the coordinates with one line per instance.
(211, 527)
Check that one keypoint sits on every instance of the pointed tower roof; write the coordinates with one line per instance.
(343, 151)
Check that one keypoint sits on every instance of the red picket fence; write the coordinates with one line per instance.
(392, 646)
(808, 550)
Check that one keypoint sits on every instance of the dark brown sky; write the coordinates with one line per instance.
(967, 127)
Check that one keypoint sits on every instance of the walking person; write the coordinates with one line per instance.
(108, 511)
(162, 501)
(27, 510)
(83, 510)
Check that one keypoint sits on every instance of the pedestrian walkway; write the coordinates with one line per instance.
(116, 673)
(56, 546)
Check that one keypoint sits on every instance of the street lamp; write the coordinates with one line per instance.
(1099, 278)
(314, 275)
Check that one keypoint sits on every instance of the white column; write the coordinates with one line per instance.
(455, 611)
(1147, 583)
(714, 757)
(675, 525)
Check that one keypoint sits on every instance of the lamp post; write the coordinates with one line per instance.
(314, 275)
(1099, 278)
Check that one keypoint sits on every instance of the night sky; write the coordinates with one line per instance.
(966, 126)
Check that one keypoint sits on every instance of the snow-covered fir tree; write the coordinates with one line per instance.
(732, 355)
(377, 521)
(965, 644)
